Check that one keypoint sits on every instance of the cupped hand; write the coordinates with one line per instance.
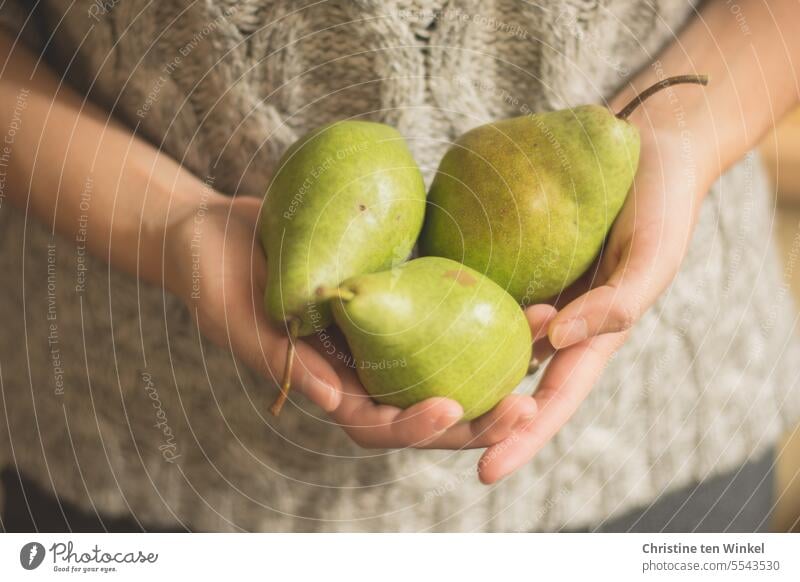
(591, 320)
(432, 423)
(215, 263)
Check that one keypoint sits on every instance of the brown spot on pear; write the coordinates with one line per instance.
(307, 227)
(409, 324)
(461, 277)
(529, 201)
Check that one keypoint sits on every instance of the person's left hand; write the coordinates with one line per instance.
(642, 255)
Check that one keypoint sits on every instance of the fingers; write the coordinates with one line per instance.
(312, 376)
(424, 421)
(263, 348)
(565, 384)
(638, 276)
(247, 208)
(434, 423)
(514, 412)
(373, 425)
(605, 309)
(539, 317)
(640, 261)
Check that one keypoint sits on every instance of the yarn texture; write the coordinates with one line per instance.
(707, 380)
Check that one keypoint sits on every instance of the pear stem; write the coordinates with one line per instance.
(286, 384)
(655, 88)
(325, 293)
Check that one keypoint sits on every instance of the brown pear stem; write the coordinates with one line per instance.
(325, 293)
(286, 384)
(655, 88)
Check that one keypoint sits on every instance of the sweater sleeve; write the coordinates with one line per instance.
(18, 19)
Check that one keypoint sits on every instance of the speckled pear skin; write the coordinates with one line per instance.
(529, 201)
(433, 327)
(347, 199)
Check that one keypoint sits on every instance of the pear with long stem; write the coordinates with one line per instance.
(529, 201)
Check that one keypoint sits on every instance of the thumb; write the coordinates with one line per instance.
(615, 306)
(312, 376)
(247, 208)
(609, 308)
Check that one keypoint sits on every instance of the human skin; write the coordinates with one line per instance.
(142, 221)
(753, 84)
(144, 205)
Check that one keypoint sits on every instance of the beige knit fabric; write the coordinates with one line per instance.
(708, 378)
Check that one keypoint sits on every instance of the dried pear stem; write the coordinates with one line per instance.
(286, 384)
(655, 88)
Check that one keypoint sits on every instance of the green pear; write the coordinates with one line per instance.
(348, 198)
(433, 327)
(529, 201)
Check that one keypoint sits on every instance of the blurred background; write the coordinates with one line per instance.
(781, 153)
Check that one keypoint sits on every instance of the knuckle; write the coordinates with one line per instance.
(626, 315)
(400, 434)
(361, 439)
(489, 432)
(357, 438)
(494, 432)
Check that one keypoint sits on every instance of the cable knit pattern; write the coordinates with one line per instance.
(707, 379)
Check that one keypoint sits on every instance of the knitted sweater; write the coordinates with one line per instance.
(94, 374)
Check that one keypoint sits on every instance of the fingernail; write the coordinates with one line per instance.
(445, 421)
(569, 332)
(333, 397)
(329, 395)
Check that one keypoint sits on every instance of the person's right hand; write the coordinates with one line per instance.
(216, 265)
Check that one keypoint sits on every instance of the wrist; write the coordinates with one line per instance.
(177, 231)
(674, 124)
